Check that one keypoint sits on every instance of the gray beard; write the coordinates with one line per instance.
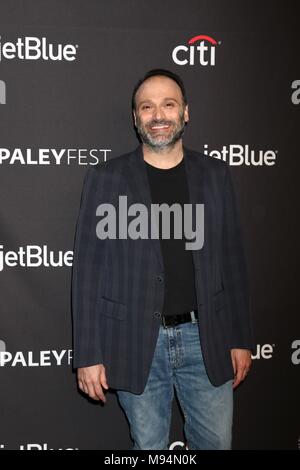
(151, 141)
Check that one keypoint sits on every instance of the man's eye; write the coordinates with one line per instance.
(146, 106)
(170, 104)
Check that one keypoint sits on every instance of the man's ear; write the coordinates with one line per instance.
(186, 113)
(134, 117)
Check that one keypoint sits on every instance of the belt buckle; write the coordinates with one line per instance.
(164, 323)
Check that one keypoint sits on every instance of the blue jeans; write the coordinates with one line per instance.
(207, 409)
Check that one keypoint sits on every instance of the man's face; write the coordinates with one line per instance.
(160, 114)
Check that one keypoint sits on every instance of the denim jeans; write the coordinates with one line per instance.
(207, 409)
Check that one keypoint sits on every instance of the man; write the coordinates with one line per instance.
(149, 313)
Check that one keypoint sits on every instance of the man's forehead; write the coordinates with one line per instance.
(157, 86)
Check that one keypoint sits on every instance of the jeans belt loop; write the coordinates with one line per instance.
(193, 316)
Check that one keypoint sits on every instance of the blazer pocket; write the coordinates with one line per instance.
(112, 309)
(219, 300)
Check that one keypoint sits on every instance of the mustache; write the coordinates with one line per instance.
(156, 122)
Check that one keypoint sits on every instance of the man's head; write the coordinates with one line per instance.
(160, 108)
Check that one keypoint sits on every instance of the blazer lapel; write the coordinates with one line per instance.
(197, 184)
(139, 186)
(137, 180)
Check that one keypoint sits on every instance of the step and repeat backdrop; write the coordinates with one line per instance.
(67, 71)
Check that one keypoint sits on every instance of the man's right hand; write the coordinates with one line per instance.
(92, 380)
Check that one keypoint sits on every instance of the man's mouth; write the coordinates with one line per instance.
(159, 127)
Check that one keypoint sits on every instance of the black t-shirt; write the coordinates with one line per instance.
(170, 186)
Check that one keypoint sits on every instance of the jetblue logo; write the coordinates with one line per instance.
(34, 256)
(237, 155)
(264, 351)
(41, 446)
(33, 48)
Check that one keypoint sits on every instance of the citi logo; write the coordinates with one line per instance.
(2, 92)
(33, 48)
(199, 50)
(178, 445)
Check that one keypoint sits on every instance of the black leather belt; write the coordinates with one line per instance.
(173, 320)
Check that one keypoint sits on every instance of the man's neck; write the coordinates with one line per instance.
(165, 158)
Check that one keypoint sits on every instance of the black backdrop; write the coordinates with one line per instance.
(58, 116)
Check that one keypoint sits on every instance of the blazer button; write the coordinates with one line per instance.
(157, 314)
(159, 278)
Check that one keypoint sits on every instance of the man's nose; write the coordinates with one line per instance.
(158, 113)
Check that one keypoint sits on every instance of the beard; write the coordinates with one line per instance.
(161, 139)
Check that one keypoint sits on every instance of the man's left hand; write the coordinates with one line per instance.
(241, 361)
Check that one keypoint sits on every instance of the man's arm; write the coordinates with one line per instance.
(86, 278)
(235, 279)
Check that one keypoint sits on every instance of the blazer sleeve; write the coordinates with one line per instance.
(235, 274)
(86, 276)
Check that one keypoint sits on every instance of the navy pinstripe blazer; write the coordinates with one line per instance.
(117, 288)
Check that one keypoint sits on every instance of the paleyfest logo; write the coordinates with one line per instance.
(200, 50)
(33, 48)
